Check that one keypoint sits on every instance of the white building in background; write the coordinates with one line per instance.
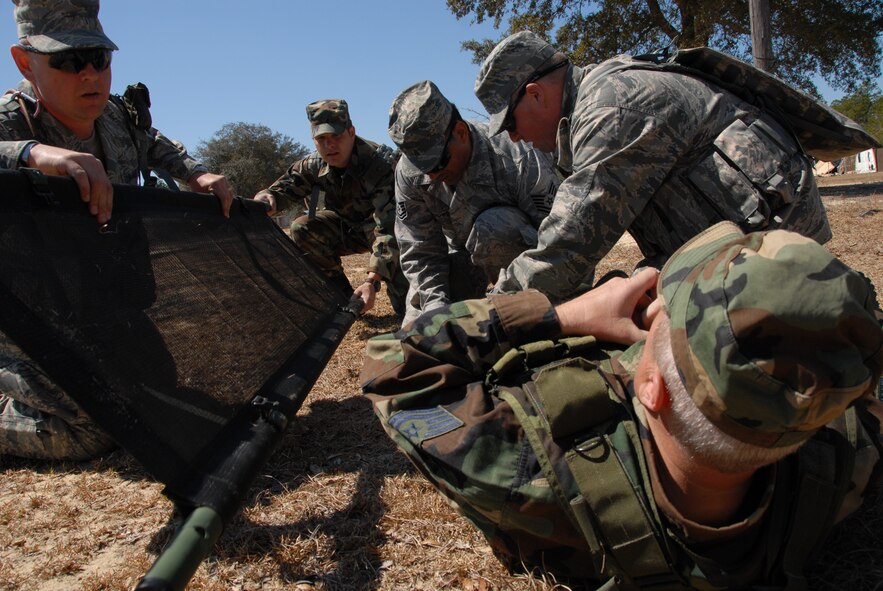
(866, 161)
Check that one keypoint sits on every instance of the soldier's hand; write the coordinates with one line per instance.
(268, 199)
(366, 293)
(619, 311)
(86, 170)
(217, 185)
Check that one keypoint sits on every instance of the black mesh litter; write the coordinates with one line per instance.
(166, 322)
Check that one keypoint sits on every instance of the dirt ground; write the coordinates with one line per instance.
(337, 507)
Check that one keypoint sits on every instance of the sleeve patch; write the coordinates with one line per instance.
(422, 424)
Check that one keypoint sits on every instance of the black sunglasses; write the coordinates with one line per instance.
(509, 119)
(73, 61)
(446, 153)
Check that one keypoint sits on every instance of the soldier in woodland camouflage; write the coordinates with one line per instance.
(715, 454)
(343, 194)
(661, 155)
(61, 121)
(466, 204)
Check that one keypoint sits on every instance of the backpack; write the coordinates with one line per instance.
(822, 132)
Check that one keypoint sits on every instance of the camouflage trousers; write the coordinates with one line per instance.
(465, 281)
(37, 418)
(327, 237)
(498, 235)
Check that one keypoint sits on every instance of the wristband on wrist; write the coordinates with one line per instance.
(26, 153)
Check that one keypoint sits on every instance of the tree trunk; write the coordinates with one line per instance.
(761, 39)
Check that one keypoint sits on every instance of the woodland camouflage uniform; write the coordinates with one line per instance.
(553, 462)
(354, 208)
(661, 155)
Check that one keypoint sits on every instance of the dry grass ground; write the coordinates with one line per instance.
(337, 507)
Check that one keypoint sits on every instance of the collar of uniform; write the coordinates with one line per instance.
(693, 533)
(479, 173)
(563, 151)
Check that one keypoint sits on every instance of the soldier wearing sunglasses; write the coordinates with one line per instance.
(466, 203)
(60, 119)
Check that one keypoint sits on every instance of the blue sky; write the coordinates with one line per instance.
(208, 63)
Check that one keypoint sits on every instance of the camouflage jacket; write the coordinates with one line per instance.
(433, 217)
(120, 153)
(361, 194)
(663, 156)
(430, 386)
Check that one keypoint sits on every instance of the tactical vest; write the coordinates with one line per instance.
(570, 405)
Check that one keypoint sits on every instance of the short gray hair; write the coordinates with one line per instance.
(698, 436)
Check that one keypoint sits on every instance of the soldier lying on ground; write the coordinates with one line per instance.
(61, 121)
(466, 204)
(717, 453)
(345, 190)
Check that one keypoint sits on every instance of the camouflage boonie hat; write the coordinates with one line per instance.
(774, 336)
(509, 66)
(50, 26)
(328, 116)
(419, 124)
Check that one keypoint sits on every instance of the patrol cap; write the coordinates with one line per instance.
(510, 65)
(419, 124)
(328, 116)
(773, 335)
(50, 26)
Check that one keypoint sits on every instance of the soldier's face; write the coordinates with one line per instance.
(76, 99)
(336, 148)
(536, 118)
(459, 150)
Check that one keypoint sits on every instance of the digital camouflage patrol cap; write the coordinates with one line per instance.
(774, 336)
(510, 66)
(419, 124)
(328, 116)
(50, 26)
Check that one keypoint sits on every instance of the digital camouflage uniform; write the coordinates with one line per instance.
(37, 418)
(658, 154)
(555, 464)
(354, 208)
(455, 239)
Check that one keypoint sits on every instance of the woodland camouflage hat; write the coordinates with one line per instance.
(773, 335)
(510, 65)
(51, 26)
(420, 122)
(328, 116)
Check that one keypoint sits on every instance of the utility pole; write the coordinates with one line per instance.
(761, 39)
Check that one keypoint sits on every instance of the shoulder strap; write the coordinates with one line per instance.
(135, 105)
(568, 400)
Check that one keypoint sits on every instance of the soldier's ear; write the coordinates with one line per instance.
(22, 61)
(652, 391)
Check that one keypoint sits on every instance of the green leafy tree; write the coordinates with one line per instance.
(864, 106)
(251, 156)
(837, 39)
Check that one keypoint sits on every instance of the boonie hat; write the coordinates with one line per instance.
(514, 61)
(773, 335)
(328, 116)
(419, 124)
(50, 26)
